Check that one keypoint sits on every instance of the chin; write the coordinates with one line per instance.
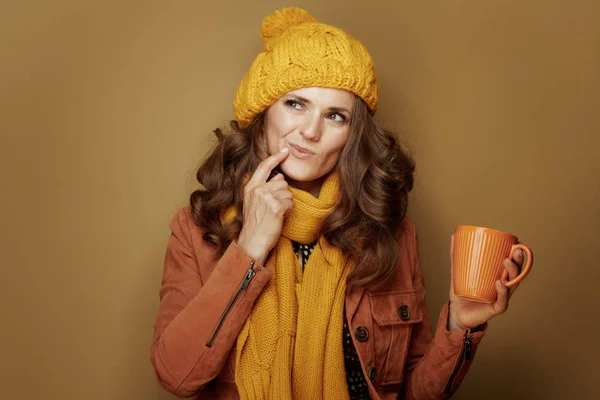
(299, 173)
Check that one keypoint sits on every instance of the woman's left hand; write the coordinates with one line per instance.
(465, 314)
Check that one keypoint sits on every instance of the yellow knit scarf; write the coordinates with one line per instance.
(291, 345)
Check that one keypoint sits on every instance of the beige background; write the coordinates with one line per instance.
(106, 109)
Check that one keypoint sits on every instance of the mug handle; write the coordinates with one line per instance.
(526, 268)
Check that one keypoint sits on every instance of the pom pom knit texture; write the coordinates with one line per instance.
(301, 52)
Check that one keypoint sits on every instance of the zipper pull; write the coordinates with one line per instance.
(467, 350)
(465, 357)
(249, 275)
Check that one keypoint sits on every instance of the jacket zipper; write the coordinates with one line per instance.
(465, 357)
(242, 288)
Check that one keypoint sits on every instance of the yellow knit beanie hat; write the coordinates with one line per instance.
(301, 52)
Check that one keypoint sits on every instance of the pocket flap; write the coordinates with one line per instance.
(395, 307)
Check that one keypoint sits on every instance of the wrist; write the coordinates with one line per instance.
(251, 250)
(453, 326)
(452, 323)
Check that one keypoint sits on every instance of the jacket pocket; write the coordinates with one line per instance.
(394, 314)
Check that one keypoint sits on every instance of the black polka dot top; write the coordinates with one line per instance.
(357, 385)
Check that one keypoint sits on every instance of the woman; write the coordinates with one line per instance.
(294, 273)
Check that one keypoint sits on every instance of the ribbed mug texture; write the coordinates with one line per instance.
(478, 261)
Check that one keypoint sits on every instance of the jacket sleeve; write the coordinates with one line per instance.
(435, 364)
(200, 317)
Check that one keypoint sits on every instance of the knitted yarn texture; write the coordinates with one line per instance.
(300, 52)
(290, 347)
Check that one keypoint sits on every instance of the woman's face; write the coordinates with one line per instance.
(314, 123)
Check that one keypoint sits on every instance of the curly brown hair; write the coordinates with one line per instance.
(376, 175)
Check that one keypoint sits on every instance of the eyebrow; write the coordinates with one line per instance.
(304, 100)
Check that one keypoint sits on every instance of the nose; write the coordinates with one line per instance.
(312, 128)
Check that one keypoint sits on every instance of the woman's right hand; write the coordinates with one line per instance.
(265, 205)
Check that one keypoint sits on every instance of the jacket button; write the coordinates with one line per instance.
(361, 334)
(372, 374)
(404, 312)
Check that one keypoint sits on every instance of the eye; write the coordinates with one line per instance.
(293, 104)
(337, 117)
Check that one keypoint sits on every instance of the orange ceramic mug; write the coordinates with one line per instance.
(478, 262)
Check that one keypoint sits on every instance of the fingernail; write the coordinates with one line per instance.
(285, 150)
(499, 284)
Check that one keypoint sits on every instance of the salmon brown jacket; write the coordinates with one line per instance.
(204, 302)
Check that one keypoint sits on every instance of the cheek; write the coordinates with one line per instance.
(272, 141)
(336, 146)
(277, 127)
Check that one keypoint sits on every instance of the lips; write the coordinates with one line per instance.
(302, 150)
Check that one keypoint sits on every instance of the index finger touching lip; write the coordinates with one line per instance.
(266, 166)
